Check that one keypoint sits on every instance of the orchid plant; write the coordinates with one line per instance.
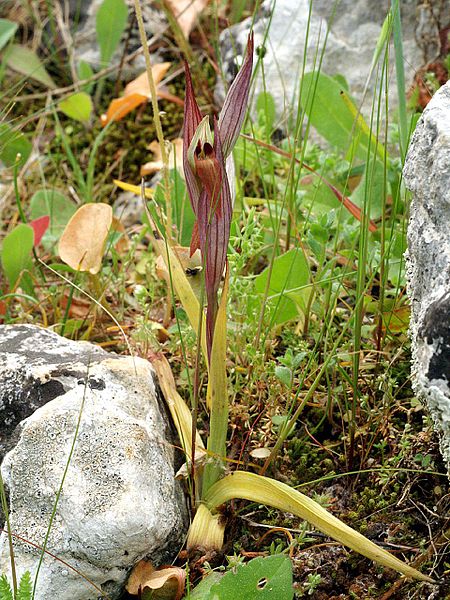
(206, 155)
(204, 163)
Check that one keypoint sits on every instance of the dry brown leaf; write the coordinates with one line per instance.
(141, 572)
(181, 413)
(82, 243)
(186, 13)
(175, 158)
(166, 583)
(136, 93)
(140, 84)
(120, 107)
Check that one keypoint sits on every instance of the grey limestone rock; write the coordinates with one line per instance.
(354, 30)
(427, 175)
(86, 46)
(120, 501)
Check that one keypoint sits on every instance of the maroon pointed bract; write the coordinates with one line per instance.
(235, 104)
(192, 118)
(207, 181)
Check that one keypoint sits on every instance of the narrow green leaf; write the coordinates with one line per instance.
(264, 490)
(77, 106)
(111, 22)
(331, 116)
(373, 185)
(58, 207)
(26, 61)
(7, 31)
(265, 104)
(383, 39)
(12, 143)
(16, 257)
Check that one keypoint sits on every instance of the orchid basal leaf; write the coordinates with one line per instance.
(264, 490)
(206, 530)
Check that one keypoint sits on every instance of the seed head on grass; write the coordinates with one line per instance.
(204, 158)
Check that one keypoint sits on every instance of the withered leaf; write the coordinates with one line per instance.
(186, 13)
(175, 158)
(136, 93)
(82, 242)
(166, 583)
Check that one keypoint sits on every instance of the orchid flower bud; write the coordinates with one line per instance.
(202, 136)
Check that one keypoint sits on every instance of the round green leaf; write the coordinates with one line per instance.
(16, 256)
(77, 106)
(58, 207)
(288, 288)
(12, 143)
(263, 578)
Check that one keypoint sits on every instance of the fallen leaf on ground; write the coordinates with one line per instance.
(137, 92)
(141, 572)
(186, 13)
(82, 243)
(166, 583)
(141, 86)
(175, 158)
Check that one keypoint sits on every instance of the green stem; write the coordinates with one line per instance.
(400, 77)
(157, 118)
(218, 394)
(67, 309)
(196, 387)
